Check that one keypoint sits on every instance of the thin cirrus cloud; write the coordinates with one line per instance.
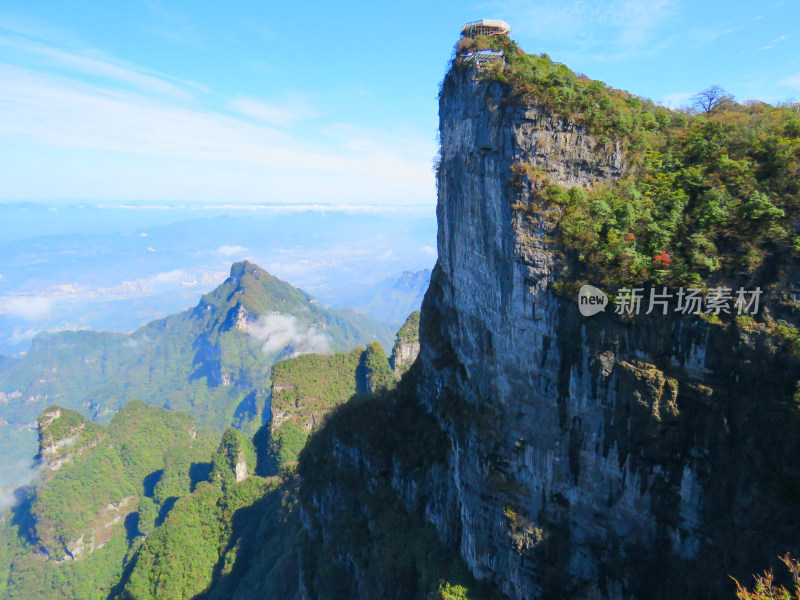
(283, 114)
(66, 99)
(93, 63)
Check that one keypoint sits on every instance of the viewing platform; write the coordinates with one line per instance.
(485, 27)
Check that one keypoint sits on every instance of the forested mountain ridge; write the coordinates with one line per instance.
(152, 507)
(98, 492)
(212, 361)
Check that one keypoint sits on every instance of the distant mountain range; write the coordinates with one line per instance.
(118, 268)
(212, 361)
(392, 299)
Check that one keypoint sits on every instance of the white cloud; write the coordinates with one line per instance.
(92, 62)
(169, 277)
(282, 332)
(203, 152)
(283, 114)
(228, 251)
(429, 250)
(30, 308)
(13, 477)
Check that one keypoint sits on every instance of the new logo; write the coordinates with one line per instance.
(591, 300)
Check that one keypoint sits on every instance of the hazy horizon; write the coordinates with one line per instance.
(117, 267)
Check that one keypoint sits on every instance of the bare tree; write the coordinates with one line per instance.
(710, 98)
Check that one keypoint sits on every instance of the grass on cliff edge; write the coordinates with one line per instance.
(703, 195)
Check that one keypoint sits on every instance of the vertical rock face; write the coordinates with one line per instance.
(598, 457)
(590, 457)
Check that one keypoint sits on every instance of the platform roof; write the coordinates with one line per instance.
(501, 26)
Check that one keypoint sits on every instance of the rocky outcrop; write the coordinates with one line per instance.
(100, 530)
(63, 436)
(234, 459)
(406, 345)
(602, 457)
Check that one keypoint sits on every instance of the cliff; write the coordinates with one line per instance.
(602, 457)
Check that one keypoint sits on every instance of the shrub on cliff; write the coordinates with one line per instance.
(765, 588)
(717, 191)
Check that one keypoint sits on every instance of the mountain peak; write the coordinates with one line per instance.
(238, 269)
(257, 291)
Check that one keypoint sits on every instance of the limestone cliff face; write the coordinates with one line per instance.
(592, 457)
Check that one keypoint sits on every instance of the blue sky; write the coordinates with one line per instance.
(319, 102)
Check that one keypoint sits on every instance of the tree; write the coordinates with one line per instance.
(710, 98)
(765, 588)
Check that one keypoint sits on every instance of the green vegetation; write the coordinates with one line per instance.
(409, 332)
(286, 443)
(56, 424)
(165, 510)
(234, 459)
(611, 115)
(405, 340)
(447, 591)
(304, 389)
(191, 536)
(311, 384)
(702, 193)
(26, 576)
(90, 507)
(243, 535)
(198, 361)
(377, 371)
(217, 540)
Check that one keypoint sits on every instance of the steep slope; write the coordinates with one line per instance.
(99, 491)
(616, 456)
(212, 361)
